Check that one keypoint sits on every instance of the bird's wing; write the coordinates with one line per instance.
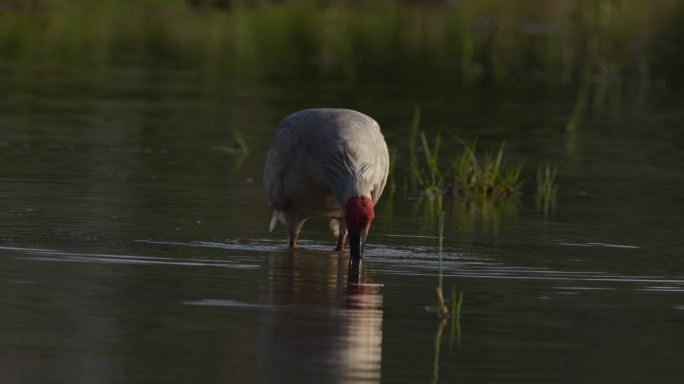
(362, 155)
(325, 147)
(377, 159)
(277, 163)
(382, 172)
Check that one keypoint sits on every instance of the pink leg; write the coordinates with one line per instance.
(294, 225)
(342, 237)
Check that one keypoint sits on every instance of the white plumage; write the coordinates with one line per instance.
(330, 163)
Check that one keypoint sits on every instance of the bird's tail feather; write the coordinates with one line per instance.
(277, 216)
(335, 227)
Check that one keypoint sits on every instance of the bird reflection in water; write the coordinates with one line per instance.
(327, 322)
(363, 303)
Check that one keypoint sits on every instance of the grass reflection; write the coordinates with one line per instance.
(437, 343)
(465, 216)
(454, 323)
(547, 189)
(456, 304)
(454, 314)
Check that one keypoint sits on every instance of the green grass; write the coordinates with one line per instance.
(239, 146)
(443, 309)
(484, 176)
(469, 175)
(240, 142)
(440, 232)
(430, 176)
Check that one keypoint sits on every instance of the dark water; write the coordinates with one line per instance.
(134, 247)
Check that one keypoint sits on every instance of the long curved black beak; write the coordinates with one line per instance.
(356, 244)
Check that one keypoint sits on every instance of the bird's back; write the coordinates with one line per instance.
(314, 148)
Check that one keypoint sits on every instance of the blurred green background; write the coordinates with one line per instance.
(438, 46)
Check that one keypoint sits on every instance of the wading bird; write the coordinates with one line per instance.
(330, 163)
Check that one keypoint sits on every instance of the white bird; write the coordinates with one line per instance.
(330, 163)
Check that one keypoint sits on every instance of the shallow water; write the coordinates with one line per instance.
(134, 247)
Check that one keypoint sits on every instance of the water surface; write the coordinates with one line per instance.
(134, 247)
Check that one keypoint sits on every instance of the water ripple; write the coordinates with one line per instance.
(228, 303)
(51, 255)
(424, 261)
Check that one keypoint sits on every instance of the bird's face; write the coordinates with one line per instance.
(358, 216)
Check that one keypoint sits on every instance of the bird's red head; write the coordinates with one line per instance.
(359, 213)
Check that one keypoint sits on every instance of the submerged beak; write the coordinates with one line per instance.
(354, 272)
(356, 243)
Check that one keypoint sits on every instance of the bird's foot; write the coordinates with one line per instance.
(340, 246)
